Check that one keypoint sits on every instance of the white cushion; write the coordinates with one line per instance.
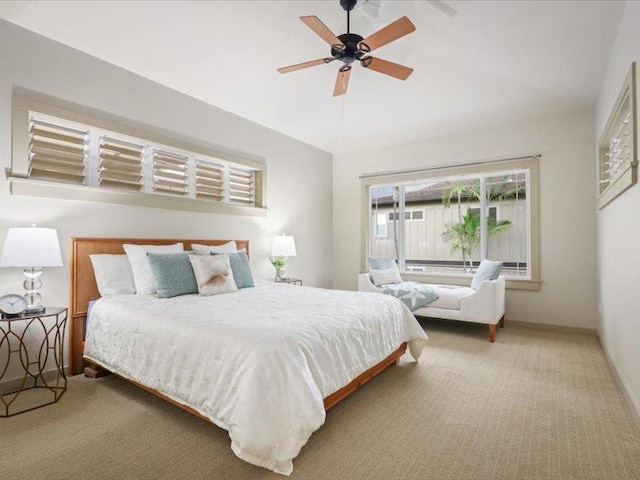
(449, 296)
(488, 270)
(213, 274)
(386, 276)
(229, 247)
(113, 274)
(142, 275)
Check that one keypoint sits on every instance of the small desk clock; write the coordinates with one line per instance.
(12, 305)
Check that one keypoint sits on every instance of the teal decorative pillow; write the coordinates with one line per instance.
(172, 274)
(240, 269)
(487, 270)
(381, 263)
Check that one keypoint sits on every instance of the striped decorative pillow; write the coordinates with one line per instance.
(385, 277)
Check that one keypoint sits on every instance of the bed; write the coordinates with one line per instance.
(264, 363)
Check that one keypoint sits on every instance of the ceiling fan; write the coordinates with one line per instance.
(350, 47)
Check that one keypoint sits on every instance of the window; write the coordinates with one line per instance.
(451, 221)
(57, 153)
(416, 215)
(62, 150)
(408, 215)
(120, 164)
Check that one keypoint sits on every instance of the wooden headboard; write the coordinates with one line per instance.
(83, 283)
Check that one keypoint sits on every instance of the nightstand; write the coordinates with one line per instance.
(33, 346)
(290, 281)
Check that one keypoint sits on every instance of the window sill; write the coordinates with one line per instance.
(465, 280)
(38, 188)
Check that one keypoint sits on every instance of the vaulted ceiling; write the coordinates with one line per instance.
(492, 62)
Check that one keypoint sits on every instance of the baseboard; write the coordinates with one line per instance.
(621, 381)
(552, 328)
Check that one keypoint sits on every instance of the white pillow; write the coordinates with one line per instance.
(229, 247)
(142, 275)
(213, 274)
(385, 277)
(113, 274)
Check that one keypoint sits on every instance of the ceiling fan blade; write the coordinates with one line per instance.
(388, 34)
(315, 24)
(443, 7)
(342, 82)
(300, 66)
(388, 68)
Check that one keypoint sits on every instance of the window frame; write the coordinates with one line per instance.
(21, 184)
(488, 168)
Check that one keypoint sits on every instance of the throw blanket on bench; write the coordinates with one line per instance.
(414, 295)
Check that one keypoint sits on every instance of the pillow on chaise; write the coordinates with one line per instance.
(381, 263)
(488, 270)
(385, 277)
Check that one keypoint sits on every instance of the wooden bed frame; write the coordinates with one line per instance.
(84, 289)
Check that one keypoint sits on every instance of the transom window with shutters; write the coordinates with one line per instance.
(57, 152)
(68, 153)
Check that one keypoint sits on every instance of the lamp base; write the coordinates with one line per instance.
(32, 284)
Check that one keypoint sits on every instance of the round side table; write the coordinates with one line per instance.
(32, 348)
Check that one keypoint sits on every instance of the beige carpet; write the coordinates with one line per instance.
(534, 405)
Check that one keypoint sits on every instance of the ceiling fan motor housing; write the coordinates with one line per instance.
(351, 50)
(348, 5)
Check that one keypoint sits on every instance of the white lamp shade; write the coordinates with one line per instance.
(31, 247)
(283, 246)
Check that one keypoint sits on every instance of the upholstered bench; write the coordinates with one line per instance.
(486, 304)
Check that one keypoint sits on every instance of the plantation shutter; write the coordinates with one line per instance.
(170, 174)
(57, 152)
(209, 180)
(120, 164)
(242, 186)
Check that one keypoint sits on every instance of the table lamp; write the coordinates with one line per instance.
(31, 248)
(283, 246)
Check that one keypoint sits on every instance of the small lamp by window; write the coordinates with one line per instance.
(31, 248)
(284, 246)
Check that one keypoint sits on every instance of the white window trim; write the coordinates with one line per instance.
(530, 164)
(21, 184)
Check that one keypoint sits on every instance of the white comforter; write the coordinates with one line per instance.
(257, 362)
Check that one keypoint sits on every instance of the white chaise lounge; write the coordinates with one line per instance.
(484, 305)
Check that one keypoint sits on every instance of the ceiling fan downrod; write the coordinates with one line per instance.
(348, 5)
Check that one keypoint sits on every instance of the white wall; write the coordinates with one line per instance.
(299, 176)
(567, 234)
(619, 229)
